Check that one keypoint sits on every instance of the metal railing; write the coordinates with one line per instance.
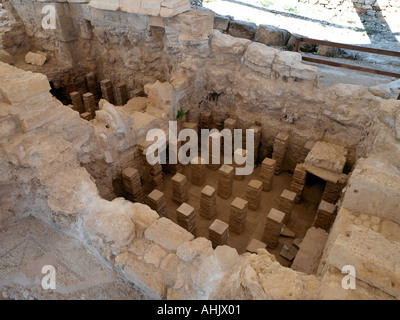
(350, 47)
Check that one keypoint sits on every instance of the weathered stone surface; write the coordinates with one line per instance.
(226, 256)
(6, 57)
(259, 58)
(267, 279)
(390, 230)
(21, 86)
(191, 25)
(373, 190)
(139, 246)
(331, 289)
(145, 276)
(327, 156)
(374, 258)
(170, 265)
(221, 23)
(242, 29)
(387, 112)
(114, 225)
(197, 248)
(161, 96)
(154, 255)
(167, 234)
(271, 35)
(221, 43)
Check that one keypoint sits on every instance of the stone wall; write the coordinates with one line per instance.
(370, 7)
(45, 146)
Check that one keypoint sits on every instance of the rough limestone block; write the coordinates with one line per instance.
(160, 95)
(284, 60)
(150, 7)
(145, 276)
(18, 87)
(304, 71)
(222, 43)
(226, 256)
(328, 156)
(198, 248)
(105, 4)
(221, 23)
(331, 289)
(154, 255)
(8, 127)
(311, 248)
(242, 29)
(271, 35)
(167, 234)
(259, 58)
(390, 230)
(374, 192)
(132, 6)
(170, 8)
(190, 26)
(375, 259)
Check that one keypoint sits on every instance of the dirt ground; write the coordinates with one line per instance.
(302, 217)
(30, 244)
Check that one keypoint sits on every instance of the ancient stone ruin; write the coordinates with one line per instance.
(77, 191)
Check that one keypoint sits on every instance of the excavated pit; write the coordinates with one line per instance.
(73, 138)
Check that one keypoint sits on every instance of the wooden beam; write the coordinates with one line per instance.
(348, 66)
(297, 46)
(351, 47)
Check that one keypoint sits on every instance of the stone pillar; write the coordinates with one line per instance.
(92, 85)
(186, 218)
(253, 194)
(156, 201)
(179, 188)
(333, 191)
(218, 233)
(121, 94)
(80, 85)
(280, 146)
(237, 219)
(298, 182)
(132, 184)
(77, 101)
(90, 104)
(286, 203)
(267, 173)
(153, 173)
(225, 181)
(208, 202)
(107, 91)
(324, 215)
(198, 171)
(273, 227)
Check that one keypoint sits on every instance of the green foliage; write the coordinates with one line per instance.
(266, 3)
(180, 114)
(291, 9)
